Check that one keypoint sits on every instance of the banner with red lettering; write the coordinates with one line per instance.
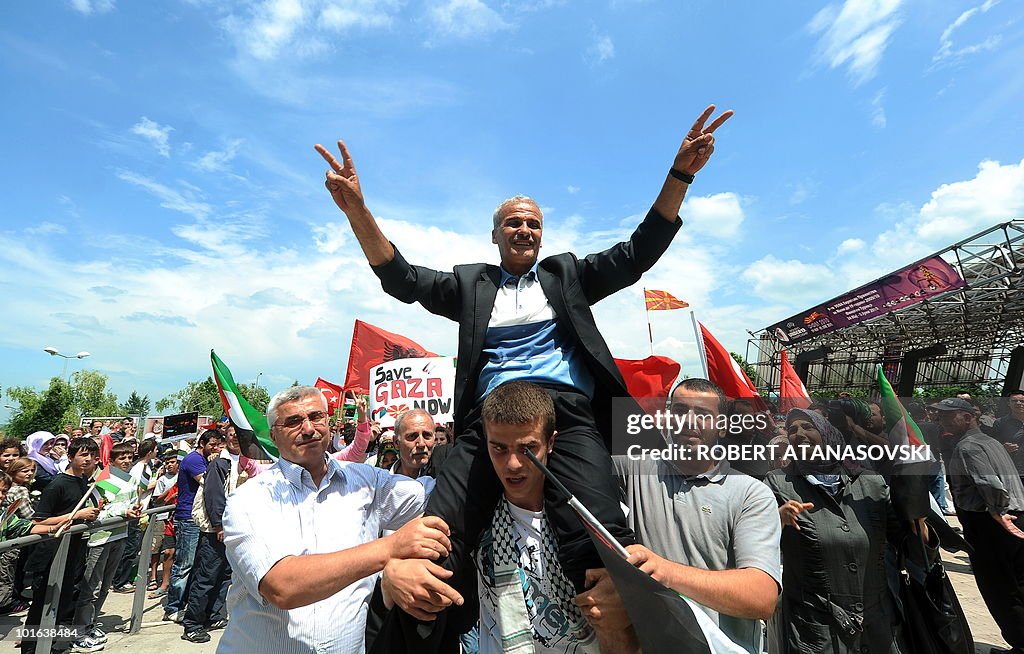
(426, 383)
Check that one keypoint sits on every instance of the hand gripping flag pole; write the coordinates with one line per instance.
(588, 518)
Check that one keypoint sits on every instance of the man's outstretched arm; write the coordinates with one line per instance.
(694, 152)
(343, 183)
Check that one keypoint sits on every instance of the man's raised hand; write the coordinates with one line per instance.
(699, 142)
(342, 180)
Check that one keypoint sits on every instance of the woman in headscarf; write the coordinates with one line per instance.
(837, 521)
(39, 446)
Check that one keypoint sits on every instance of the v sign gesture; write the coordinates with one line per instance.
(699, 143)
(343, 183)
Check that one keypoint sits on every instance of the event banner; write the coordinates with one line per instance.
(426, 383)
(913, 284)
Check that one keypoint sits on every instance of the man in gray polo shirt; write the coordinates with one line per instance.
(708, 532)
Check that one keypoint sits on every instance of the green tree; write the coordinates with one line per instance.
(135, 405)
(201, 396)
(90, 394)
(37, 411)
(747, 368)
(257, 396)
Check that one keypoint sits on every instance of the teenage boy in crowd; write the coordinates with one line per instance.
(105, 549)
(60, 497)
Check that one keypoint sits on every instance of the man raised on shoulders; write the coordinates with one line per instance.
(302, 538)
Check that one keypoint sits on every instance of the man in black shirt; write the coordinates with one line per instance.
(60, 497)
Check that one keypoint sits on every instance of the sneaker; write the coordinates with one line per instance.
(125, 588)
(173, 617)
(218, 624)
(197, 636)
(97, 634)
(86, 644)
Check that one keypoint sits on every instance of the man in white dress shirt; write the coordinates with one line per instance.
(302, 539)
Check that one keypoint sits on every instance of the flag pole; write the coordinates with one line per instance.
(650, 333)
(582, 511)
(700, 345)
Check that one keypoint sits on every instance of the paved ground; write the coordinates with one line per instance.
(165, 638)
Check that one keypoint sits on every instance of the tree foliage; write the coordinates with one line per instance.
(202, 396)
(39, 411)
(135, 405)
(90, 395)
(747, 368)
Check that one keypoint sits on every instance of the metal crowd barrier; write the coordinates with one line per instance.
(48, 622)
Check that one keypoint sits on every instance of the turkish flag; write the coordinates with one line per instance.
(372, 346)
(332, 392)
(792, 394)
(725, 372)
(649, 380)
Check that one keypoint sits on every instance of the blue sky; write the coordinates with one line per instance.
(161, 195)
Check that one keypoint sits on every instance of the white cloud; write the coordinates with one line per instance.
(304, 28)
(956, 211)
(87, 7)
(601, 49)
(851, 245)
(46, 229)
(463, 19)
(855, 35)
(946, 51)
(169, 198)
(573, 190)
(790, 281)
(719, 215)
(155, 133)
(878, 110)
(218, 160)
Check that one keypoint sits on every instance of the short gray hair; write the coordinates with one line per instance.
(291, 394)
(515, 199)
(405, 415)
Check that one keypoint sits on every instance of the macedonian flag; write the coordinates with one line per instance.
(662, 301)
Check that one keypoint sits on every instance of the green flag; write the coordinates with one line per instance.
(250, 425)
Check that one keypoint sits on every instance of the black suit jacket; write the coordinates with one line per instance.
(466, 295)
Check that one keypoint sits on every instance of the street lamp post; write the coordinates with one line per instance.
(54, 352)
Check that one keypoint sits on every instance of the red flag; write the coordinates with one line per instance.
(792, 394)
(662, 301)
(332, 392)
(372, 346)
(724, 371)
(649, 380)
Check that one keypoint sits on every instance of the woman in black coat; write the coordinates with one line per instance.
(837, 522)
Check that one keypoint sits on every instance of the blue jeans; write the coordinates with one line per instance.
(186, 537)
(937, 487)
(471, 640)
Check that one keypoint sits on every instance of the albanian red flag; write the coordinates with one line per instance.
(372, 346)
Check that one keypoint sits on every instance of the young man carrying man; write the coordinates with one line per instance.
(526, 600)
(59, 498)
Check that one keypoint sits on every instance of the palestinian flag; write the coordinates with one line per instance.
(899, 425)
(113, 481)
(908, 483)
(250, 425)
(662, 301)
(183, 449)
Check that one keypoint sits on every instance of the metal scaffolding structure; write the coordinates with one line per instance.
(961, 337)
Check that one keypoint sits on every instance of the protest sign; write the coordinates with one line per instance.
(424, 383)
